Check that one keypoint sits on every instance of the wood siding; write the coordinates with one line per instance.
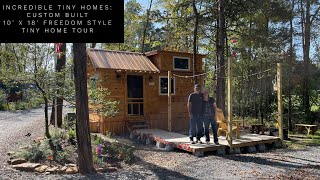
(155, 105)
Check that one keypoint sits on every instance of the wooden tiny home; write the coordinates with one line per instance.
(139, 82)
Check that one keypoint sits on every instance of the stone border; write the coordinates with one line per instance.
(23, 165)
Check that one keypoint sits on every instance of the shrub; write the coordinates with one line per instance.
(97, 140)
(35, 153)
(2, 99)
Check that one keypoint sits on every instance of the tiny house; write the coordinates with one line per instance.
(139, 82)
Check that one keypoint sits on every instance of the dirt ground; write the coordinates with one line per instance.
(152, 163)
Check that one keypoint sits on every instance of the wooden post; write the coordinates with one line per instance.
(169, 100)
(229, 136)
(279, 92)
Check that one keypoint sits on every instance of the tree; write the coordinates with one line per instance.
(146, 26)
(220, 80)
(60, 78)
(307, 19)
(85, 162)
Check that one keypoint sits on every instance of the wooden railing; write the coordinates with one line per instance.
(135, 106)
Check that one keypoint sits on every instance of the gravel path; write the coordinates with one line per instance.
(156, 164)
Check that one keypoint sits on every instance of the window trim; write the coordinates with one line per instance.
(174, 85)
(178, 69)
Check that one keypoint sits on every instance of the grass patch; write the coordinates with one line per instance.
(294, 144)
(298, 143)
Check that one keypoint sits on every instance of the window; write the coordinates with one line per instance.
(163, 85)
(181, 63)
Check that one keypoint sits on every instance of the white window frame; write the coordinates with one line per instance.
(178, 69)
(174, 85)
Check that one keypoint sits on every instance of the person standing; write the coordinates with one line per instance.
(208, 115)
(195, 109)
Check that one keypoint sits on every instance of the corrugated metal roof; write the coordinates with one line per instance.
(120, 60)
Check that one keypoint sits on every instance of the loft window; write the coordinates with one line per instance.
(163, 85)
(181, 63)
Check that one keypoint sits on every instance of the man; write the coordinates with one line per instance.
(208, 115)
(195, 108)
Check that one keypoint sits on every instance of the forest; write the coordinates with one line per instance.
(255, 35)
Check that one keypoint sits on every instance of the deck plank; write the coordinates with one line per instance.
(181, 141)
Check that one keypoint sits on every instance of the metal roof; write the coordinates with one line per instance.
(121, 60)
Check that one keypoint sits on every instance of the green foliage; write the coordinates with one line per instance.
(99, 102)
(2, 99)
(35, 153)
(40, 150)
(126, 152)
(72, 135)
(108, 134)
(96, 140)
(69, 123)
(112, 149)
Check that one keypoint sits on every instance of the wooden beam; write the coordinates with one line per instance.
(229, 134)
(279, 92)
(169, 100)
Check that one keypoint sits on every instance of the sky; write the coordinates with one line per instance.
(145, 4)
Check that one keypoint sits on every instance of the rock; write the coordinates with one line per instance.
(39, 140)
(199, 153)
(169, 147)
(9, 161)
(71, 170)
(277, 144)
(26, 166)
(62, 169)
(235, 151)
(41, 168)
(10, 153)
(160, 145)
(46, 173)
(261, 147)
(251, 149)
(71, 165)
(132, 136)
(221, 152)
(18, 161)
(148, 141)
(106, 169)
(52, 170)
(24, 147)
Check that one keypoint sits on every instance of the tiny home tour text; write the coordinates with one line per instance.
(61, 21)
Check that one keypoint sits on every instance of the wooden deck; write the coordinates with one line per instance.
(181, 141)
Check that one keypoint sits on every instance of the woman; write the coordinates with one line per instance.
(208, 115)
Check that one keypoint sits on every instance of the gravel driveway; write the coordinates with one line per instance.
(156, 164)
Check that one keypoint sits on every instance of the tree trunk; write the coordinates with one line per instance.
(46, 119)
(306, 27)
(220, 80)
(61, 63)
(146, 27)
(290, 68)
(85, 163)
(195, 33)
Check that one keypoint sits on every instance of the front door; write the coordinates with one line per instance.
(135, 95)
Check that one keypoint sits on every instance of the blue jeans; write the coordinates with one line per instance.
(195, 127)
(207, 122)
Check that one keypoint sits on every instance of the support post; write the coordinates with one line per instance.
(169, 100)
(279, 92)
(229, 136)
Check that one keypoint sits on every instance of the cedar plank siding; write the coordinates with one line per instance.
(155, 105)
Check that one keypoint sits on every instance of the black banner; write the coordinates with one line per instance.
(68, 21)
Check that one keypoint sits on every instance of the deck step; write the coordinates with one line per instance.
(137, 124)
(140, 126)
